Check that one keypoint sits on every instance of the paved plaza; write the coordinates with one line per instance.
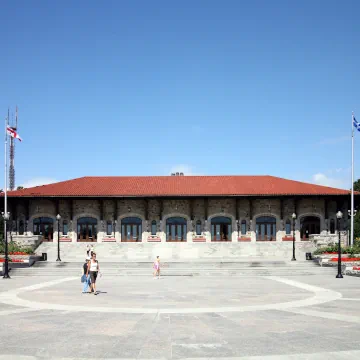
(181, 317)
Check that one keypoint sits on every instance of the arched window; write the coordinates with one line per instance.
(131, 229)
(243, 227)
(65, 227)
(44, 226)
(332, 226)
(153, 228)
(21, 227)
(221, 228)
(87, 229)
(198, 227)
(266, 228)
(176, 229)
(288, 227)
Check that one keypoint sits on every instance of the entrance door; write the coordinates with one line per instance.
(266, 228)
(309, 225)
(87, 229)
(176, 229)
(44, 226)
(221, 229)
(131, 229)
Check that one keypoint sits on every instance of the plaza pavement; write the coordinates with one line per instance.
(248, 318)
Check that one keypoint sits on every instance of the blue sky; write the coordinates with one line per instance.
(205, 87)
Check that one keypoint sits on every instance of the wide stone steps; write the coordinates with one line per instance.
(275, 268)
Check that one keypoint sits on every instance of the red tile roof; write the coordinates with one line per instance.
(177, 186)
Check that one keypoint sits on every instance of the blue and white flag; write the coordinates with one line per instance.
(356, 124)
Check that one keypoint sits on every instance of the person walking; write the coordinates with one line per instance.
(88, 250)
(86, 278)
(93, 269)
(157, 268)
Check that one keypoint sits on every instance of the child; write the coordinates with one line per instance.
(157, 267)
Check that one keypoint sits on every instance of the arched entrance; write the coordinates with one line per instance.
(309, 225)
(220, 228)
(131, 229)
(87, 229)
(176, 229)
(266, 228)
(44, 226)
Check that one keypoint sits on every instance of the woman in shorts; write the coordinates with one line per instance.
(93, 270)
(157, 268)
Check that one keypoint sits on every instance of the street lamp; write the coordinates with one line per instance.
(293, 217)
(339, 215)
(6, 217)
(58, 217)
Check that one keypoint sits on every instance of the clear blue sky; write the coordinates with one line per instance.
(212, 87)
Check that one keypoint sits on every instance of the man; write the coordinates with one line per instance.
(86, 276)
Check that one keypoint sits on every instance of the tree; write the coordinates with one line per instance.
(357, 216)
(19, 188)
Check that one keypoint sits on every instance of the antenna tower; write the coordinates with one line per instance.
(13, 125)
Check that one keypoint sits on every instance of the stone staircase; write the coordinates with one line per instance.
(193, 268)
(177, 259)
(147, 252)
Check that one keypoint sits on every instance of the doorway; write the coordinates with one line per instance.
(221, 229)
(87, 229)
(44, 226)
(309, 225)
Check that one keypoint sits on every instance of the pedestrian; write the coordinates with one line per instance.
(88, 250)
(157, 268)
(93, 269)
(92, 250)
(85, 277)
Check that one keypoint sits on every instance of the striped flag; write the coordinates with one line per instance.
(14, 134)
(356, 124)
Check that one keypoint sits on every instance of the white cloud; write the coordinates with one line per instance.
(37, 182)
(183, 168)
(322, 179)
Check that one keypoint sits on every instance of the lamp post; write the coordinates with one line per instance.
(58, 217)
(293, 218)
(238, 227)
(6, 217)
(339, 215)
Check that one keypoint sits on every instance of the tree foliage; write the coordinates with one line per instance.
(357, 216)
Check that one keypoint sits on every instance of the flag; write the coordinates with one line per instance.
(15, 135)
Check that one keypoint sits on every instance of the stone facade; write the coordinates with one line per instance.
(241, 210)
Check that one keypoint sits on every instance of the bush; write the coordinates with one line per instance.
(13, 247)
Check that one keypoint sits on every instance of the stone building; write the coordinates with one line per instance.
(161, 209)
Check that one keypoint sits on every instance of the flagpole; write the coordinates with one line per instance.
(5, 215)
(352, 182)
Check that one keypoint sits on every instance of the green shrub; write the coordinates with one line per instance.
(14, 247)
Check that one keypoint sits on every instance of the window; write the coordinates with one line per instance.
(65, 227)
(44, 226)
(243, 227)
(198, 227)
(131, 229)
(221, 229)
(176, 229)
(265, 228)
(332, 226)
(153, 228)
(109, 228)
(288, 227)
(21, 227)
